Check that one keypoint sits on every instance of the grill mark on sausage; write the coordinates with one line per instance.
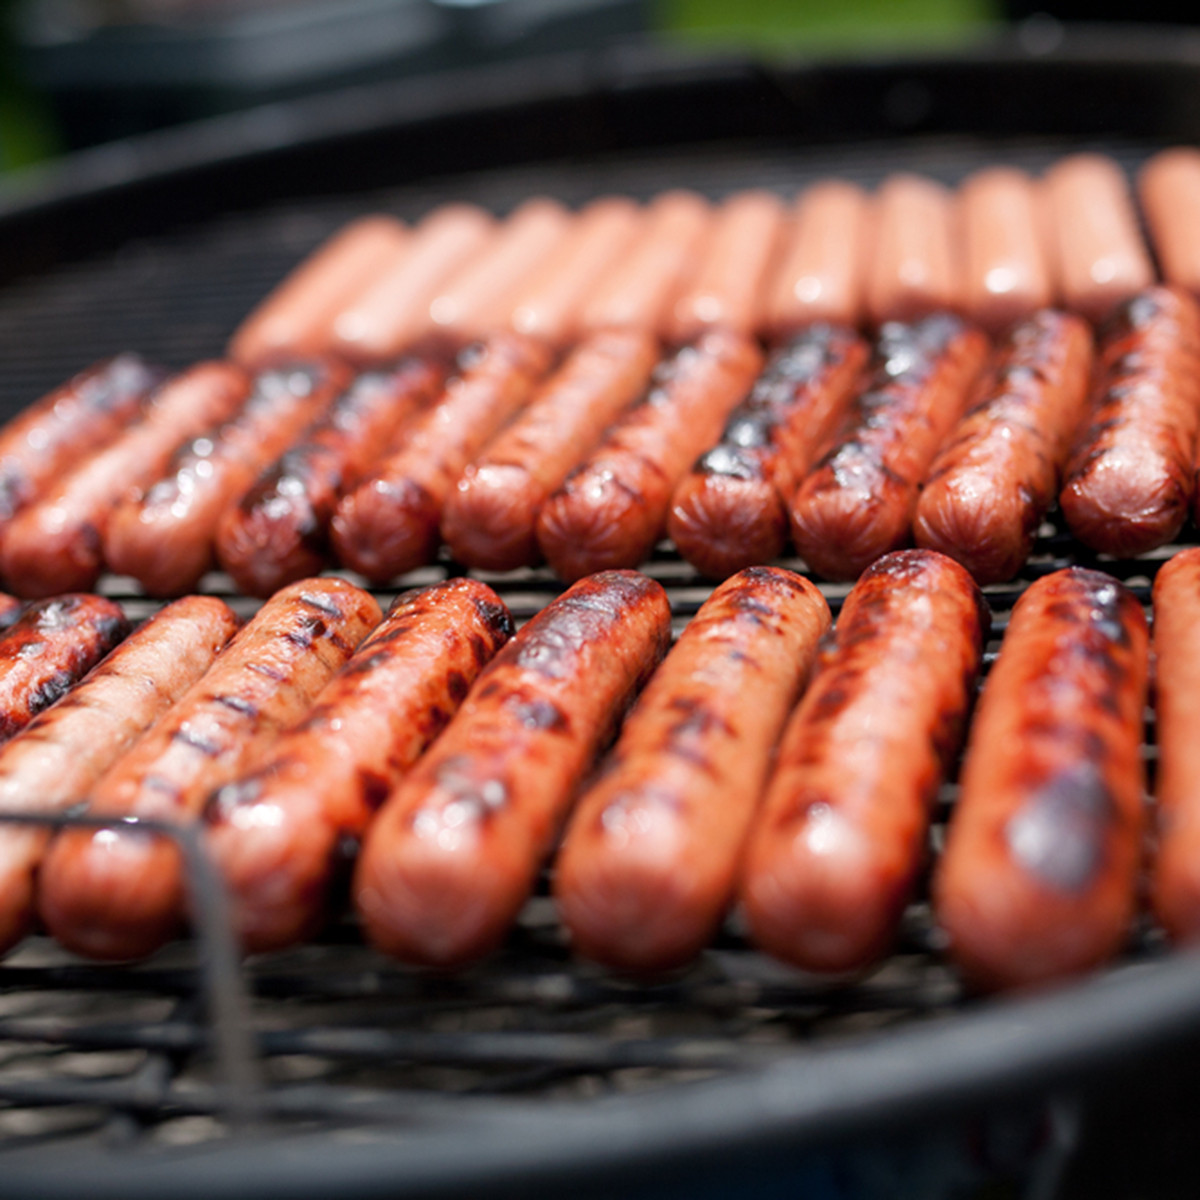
(189, 737)
(236, 704)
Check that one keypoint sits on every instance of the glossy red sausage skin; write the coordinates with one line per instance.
(1039, 875)
(455, 852)
(649, 863)
(1131, 476)
(730, 511)
(48, 649)
(52, 435)
(491, 515)
(296, 321)
(390, 522)
(56, 544)
(278, 531)
(1169, 189)
(858, 502)
(277, 833)
(164, 535)
(613, 507)
(840, 837)
(119, 893)
(56, 759)
(1175, 875)
(998, 473)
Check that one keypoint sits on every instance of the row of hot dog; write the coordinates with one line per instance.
(455, 752)
(996, 250)
(934, 437)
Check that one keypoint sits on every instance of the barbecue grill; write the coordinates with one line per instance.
(329, 1070)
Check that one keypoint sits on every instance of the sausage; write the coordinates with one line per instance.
(455, 851)
(1131, 474)
(635, 292)
(386, 318)
(726, 288)
(548, 304)
(822, 268)
(278, 531)
(858, 502)
(1169, 188)
(730, 511)
(1098, 250)
(48, 649)
(1006, 274)
(913, 268)
(1039, 874)
(611, 509)
(388, 524)
(276, 833)
(164, 535)
(1175, 871)
(491, 515)
(295, 321)
(649, 863)
(838, 843)
(51, 436)
(478, 299)
(59, 756)
(994, 480)
(55, 545)
(119, 893)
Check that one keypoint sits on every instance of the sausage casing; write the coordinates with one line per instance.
(55, 760)
(276, 833)
(1169, 188)
(997, 475)
(278, 531)
(858, 502)
(1131, 475)
(730, 511)
(491, 515)
(840, 837)
(390, 522)
(1038, 878)
(455, 852)
(649, 863)
(612, 508)
(119, 893)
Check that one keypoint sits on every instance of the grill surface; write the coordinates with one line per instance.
(367, 1077)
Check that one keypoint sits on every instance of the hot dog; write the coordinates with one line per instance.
(491, 515)
(730, 511)
(994, 480)
(278, 530)
(1131, 475)
(858, 502)
(164, 535)
(1039, 874)
(649, 862)
(55, 545)
(54, 434)
(454, 853)
(387, 318)
(48, 649)
(726, 288)
(120, 893)
(1098, 251)
(1007, 270)
(59, 756)
(820, 276)
(913, 266)
(635, 292)
(1175, 875)
(838, 842)
(1169, 187)
(612, 508)
(295, 322)
(276, 832)
(388, 524)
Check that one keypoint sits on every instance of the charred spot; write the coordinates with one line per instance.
(692, 754)
(268, 671)
(90, 537)
(830, 701)
(163, 786)
(49, 690)
(696, 719)
(481, 651)
(320, 603)
(309, 629)
(365, 664)
(405, 598)
(457, 686)
(746, 602)
(392, 632)
(538, 714)
(375, 788)
(244, 708)
(196, 741)
(494, 614)
(111, 629)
